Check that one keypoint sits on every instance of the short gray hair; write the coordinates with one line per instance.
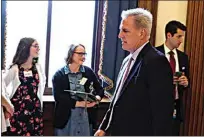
(143, 18)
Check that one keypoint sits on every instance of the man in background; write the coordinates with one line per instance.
(174, 32)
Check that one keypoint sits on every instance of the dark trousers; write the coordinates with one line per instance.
(176, 127)
(176, 120)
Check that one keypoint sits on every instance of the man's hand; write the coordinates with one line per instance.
(183, 81)
(176, 80)
(99, 133)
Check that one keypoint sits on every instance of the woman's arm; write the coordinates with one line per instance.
(8, 76)
(5, 102)
(9, 108)
(99, 91)
(59, 85)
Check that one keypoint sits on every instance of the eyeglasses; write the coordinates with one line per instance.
(81, 53)
(35, 46)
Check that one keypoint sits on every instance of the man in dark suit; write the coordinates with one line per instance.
(143, 100)
(174, 32)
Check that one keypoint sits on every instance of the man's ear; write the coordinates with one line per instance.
(168, 35)
(143, 33)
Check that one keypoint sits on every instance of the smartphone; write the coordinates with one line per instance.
(178, 74)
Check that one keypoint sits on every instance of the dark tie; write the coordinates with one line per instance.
(173, 67)
(172, 61)
(127, 70)
(123, 78)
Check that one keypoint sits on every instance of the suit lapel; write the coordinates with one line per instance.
(161, 48)
(121, 71)
(134, 70)
(180, 61)
(136, 66)
(120, 76)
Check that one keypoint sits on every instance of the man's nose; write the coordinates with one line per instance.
(120, 35)
(181, 40)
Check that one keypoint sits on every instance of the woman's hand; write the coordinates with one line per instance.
(84, 103)
(99, 133)
(9, 109)
(7, 115)
(8, 106)
(98, 98)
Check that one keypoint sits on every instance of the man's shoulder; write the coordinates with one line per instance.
(154, 55)
(154, 52)
(160, 48)
(181, 53)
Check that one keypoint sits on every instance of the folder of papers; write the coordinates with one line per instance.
(83, 95)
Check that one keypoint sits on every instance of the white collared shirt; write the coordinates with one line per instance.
(135, 54)
(167, 50)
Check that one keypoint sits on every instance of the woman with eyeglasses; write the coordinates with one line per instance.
(28, 81)
(71, 116)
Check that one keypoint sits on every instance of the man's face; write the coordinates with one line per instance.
(129, 34)
(176, 40)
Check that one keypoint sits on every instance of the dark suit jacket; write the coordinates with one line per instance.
(63, 101)
(145, 106)
(183, 67)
